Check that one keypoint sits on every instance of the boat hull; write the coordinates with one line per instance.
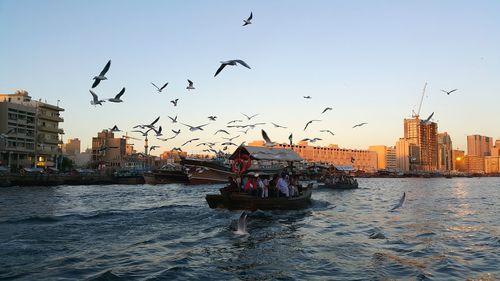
(244, 201)
(199, 174)
(165, 177)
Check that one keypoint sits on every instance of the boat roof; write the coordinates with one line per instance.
(344, 168)
(266, 153)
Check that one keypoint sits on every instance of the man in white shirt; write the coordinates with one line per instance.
(283, 186)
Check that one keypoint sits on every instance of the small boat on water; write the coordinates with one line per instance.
(245, 201)
(170, 173)
(340, 185)
(203, 171)
(249, 161)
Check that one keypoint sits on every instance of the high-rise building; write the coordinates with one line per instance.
(386, 157)
(361, 160)
(108, 151)
(34, 131)
(478, 145)
(72, 147)
(445, 152)
(423, 135)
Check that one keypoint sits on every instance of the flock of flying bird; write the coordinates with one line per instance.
(145, 129)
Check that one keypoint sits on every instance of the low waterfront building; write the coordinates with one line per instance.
(474, 164)
(361, 160)
(492, 164)
(34, 131)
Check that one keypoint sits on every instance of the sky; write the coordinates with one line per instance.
(368, 60)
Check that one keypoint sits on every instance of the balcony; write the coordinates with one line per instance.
(52, 141)
(50, 117)
(50, 129)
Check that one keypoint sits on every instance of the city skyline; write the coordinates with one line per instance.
(367, 61)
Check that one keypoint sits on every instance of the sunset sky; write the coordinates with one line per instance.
(368, 60)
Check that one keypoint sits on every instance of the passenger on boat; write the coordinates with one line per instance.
(265, 190)
(260, 185)
(251, 186)
(283, 186)
(273, 186)
(231, 187)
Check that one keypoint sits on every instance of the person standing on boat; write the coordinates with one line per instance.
(251, 186)
(265, 191)
(283, 186)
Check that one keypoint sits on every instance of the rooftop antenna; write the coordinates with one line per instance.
(417, 114)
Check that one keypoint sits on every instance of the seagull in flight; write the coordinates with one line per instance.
(193, 128)
(245, 131)
(6, 134)
(158, 88)
(229, 143)
(95, 100)
(231, 139)
(176, 132)
(248, 21)
(190, 86)
(234, 121)
(326, 109)
(267, 140)
(101, 76)
(327, 131)
(278, 126)
(176, 149)
(307, 97)
(151, 125)
(191, 140)
(359, 125)
(174, 120)
(174, 102)
(222, 131)
(428, 118)
(212, 118)
(118, 96)
(230, 62)
(250, 117)
(153, 147)
(310, 123)
(158, 132)
(312, 140)
(115, 129)
(449, 92)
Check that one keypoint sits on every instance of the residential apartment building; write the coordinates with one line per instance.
(108, 151)
(474, 164)
(34, 139)
(386, 157)
(478, 145)
(72, 147)
(458, 160)
(362, 160)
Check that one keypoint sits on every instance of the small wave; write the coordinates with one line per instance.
(35, 219)
(105, 276)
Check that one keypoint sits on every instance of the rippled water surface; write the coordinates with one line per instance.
(448, 229)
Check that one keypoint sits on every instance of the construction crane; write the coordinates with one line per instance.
(417, 114)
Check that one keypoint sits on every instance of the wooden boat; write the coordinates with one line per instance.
(245, 201)
(201, 171)
(167, 174)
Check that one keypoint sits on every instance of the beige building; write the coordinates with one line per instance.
(445, 153)
(492, 164)
(173, 156)
(479, 145)
(386, 157)
(72, 147)
(424, 137)
(108, 151)
(35, 140)
(474, 164)
(361, 160)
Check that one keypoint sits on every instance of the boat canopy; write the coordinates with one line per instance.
(266, 153)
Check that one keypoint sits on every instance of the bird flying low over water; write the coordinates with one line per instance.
(449, 92)
(400, 203)
(190, 86)
(326, 109)
(174, 102)
(327, 131)
(222, 131)
(310, 123)
(95, 100)
(267, 140)
(195, 128)
(118, 96)
(248, 20)
(312, 140)
(359, 125)
(101, 76)
(307, 97)
(278, 126)
(158, 88)
(230, 62)
(191, 140)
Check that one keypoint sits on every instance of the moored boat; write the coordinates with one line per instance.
(167, 174)
(202, 171)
